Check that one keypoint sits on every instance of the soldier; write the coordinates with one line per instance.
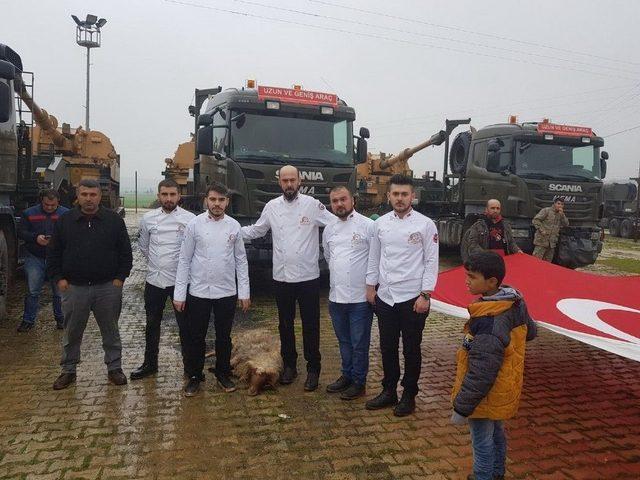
(160, 237)
(548, 223)
(490, 232)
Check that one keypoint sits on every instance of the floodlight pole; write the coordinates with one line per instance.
(86, 121)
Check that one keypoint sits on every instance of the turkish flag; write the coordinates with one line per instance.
(602, 311)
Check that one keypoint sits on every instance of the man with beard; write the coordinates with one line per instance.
(346, 249)
(403, 262)
(490, 232)
(89, 258)
(294, 220)
(212, 258)
(160, 237)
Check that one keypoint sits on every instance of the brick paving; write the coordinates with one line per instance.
(579, 416)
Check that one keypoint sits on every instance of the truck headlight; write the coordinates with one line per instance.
(520, 233)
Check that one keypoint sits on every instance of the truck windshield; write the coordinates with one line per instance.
(570, 162)
(292, 140)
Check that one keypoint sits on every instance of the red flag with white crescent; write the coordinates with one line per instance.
(602, 311)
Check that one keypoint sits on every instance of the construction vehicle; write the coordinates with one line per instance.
(621, 209)
(245, 135)
(33, 157)
(180, 166)
(525, 166)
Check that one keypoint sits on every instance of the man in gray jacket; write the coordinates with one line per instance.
(548, 223)
(490, 232)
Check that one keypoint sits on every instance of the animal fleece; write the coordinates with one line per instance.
(256, 359)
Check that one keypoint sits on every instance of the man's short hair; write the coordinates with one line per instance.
(218, 188)
(488, 264)
(168, 183)
(89, 183)
(49, 194)
(399, 179)
(558, 200)
(341, 187)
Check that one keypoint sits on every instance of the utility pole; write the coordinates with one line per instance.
(88, 36)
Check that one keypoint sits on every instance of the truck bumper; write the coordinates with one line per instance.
(578, 247)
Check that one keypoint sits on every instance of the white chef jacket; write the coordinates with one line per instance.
(295, 232)
(211, 257)
(403, 257)
(159, 239)
(346, 249)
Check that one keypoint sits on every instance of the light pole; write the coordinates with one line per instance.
(88, 35)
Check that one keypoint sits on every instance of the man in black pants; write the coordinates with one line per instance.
(211, 258)
(403, 260)
(159, 239)
(294, 220)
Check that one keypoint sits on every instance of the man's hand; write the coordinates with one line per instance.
(421, 305)
(179, 306)
(458, 419)
(117, 283)
(42, 240)
(63, 285)
(371, 294)
(245, 304)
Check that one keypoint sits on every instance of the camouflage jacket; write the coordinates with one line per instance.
(548, 223)
(476, 239)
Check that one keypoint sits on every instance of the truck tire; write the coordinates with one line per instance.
(459, 154)
(626, 228)
(5, 274)
(614, 227)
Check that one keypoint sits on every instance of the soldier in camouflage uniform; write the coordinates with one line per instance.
(548, 223)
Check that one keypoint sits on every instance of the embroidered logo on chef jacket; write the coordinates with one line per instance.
(232, 238)
(321, 206)
(435, 238)
(414, 238)
(356, 239)
(180, 231)
(305, 221)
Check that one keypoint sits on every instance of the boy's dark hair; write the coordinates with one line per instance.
(89, 183)
(399, 179)
(49, 194)
(168, 183)
(218, 188)
(488, 263)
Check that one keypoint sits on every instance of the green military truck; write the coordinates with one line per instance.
(525, 166)
(621, 209)
(245, 135)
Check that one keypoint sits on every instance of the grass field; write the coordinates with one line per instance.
(144, 200)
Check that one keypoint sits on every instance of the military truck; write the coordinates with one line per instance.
(621, 209)
(245, 135)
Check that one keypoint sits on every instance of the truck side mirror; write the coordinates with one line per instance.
(204, 120)
(361, 150)
(604, 155)
(6, 102)
(364, 132)
(7, 70)
(204, 140)
(603, 166)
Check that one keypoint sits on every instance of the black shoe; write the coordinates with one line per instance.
(288, 375)
(311, 383)
(117, 377)
(406, 406)
(143, 370)
(353, 392)
(340, 385)
(25, 327)
(59, 323)
(383, 400)
(226, 383)
(192, 387)
(64, 380)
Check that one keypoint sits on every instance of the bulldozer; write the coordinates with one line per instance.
(180, 166)
(374, 174)
(62, 156)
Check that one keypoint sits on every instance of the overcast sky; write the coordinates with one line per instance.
(404, 66)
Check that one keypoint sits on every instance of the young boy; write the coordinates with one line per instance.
(490, 364)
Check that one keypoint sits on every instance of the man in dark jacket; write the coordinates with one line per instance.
(490, 232)
(36, 228)
(90, 257)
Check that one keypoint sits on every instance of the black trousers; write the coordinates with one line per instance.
(155, 299)
(198, 311)
(308, 297)
(393, 322)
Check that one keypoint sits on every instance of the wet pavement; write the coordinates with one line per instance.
(579, 416)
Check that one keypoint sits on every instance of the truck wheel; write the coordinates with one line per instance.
(614, 227)
(626, 228)
(5, 272)
(459, 153)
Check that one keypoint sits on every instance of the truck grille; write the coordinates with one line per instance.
(576, 206)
